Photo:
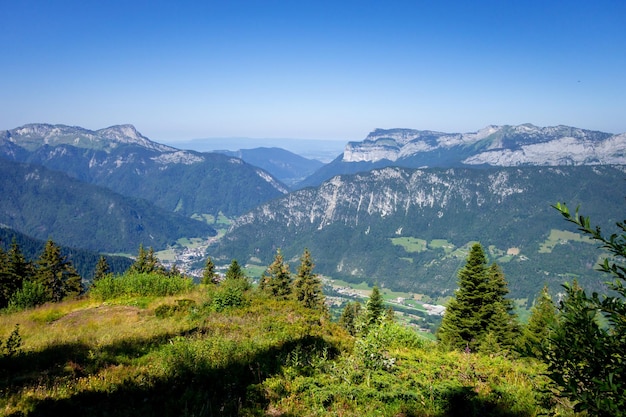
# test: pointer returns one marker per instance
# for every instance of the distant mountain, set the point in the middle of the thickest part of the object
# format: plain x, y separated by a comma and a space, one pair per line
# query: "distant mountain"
121, 159
323, 150
84, 261
286, 166
521, 145
46, 204
407, 228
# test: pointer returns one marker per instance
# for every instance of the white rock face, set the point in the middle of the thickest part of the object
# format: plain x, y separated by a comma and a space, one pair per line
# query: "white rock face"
495, 145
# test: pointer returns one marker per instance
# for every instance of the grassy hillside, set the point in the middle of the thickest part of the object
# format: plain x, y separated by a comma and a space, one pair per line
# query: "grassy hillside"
182, 355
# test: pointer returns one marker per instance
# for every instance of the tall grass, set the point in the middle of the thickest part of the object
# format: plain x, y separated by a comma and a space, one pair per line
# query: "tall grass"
139, 285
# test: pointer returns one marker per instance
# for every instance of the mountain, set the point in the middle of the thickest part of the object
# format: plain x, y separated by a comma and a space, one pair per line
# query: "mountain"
492, 146
84, 261
286, 166
408, 229
323, 150
46, 204
122, 159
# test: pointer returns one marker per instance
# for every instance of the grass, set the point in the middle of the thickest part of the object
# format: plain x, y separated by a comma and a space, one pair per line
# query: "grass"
557, 237
175, 355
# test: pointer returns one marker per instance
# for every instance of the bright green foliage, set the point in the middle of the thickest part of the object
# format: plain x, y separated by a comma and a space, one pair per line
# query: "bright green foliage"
307, 286
146, 262
56, 274
276, 280
536, 334
587, 360
234, 271
232, 293
349, 317
374, 307
32, 294
208, 275
479, 308
102, 269
133, 284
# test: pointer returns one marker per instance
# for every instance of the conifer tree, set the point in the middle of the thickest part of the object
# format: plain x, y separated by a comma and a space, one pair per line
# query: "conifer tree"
461, 325
536, 333
146, 262
277, 279
208, 275
6, 280
349, 317
479, 316
307, 285
17, 268
374, 308
234, 271
56, 274
102, 269
497, 315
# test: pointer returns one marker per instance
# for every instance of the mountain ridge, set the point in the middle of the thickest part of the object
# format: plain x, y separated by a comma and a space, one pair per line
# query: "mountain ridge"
120, 158
506, 145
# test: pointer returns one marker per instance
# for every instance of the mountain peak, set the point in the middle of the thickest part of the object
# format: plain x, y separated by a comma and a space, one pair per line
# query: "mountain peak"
35, 135
507, 145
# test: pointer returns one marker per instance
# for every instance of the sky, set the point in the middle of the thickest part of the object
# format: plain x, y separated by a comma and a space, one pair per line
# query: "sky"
181, 70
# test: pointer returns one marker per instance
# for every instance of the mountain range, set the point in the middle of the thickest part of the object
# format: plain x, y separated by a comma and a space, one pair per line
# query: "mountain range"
399, 208
492, 146
123, 160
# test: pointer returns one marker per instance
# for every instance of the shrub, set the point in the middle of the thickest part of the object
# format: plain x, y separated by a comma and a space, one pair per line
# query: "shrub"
32, 294
136, 284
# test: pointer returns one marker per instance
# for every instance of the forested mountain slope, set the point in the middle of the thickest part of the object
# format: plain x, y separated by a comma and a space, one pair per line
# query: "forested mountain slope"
49, 204
121, 159
407, 228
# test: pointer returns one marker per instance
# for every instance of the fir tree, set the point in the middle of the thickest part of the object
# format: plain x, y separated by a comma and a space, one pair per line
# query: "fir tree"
307, 285
277, 279
102, 269
208, 275
461, 325
349, 317
234, 271
536, 333
497, 315
6, 282
56, 274
479, 314
146, 262
374, 308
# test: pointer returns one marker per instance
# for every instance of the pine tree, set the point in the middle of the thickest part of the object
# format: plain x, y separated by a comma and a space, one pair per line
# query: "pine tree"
350, 316
536, 333
102, 269
374, 308
461, 325
208, 275
7, 287
307, 285
479, 316
497, 315
56, 274
146, 262
277, 279
234, 271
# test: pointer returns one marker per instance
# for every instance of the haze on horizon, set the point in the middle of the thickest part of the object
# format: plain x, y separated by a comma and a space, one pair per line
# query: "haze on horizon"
312, 70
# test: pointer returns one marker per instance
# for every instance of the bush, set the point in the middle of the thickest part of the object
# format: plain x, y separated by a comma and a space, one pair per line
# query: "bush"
134, 284
230, 294
31, 295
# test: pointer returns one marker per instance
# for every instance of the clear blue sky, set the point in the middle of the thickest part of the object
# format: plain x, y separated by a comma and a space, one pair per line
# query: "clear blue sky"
312, 69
